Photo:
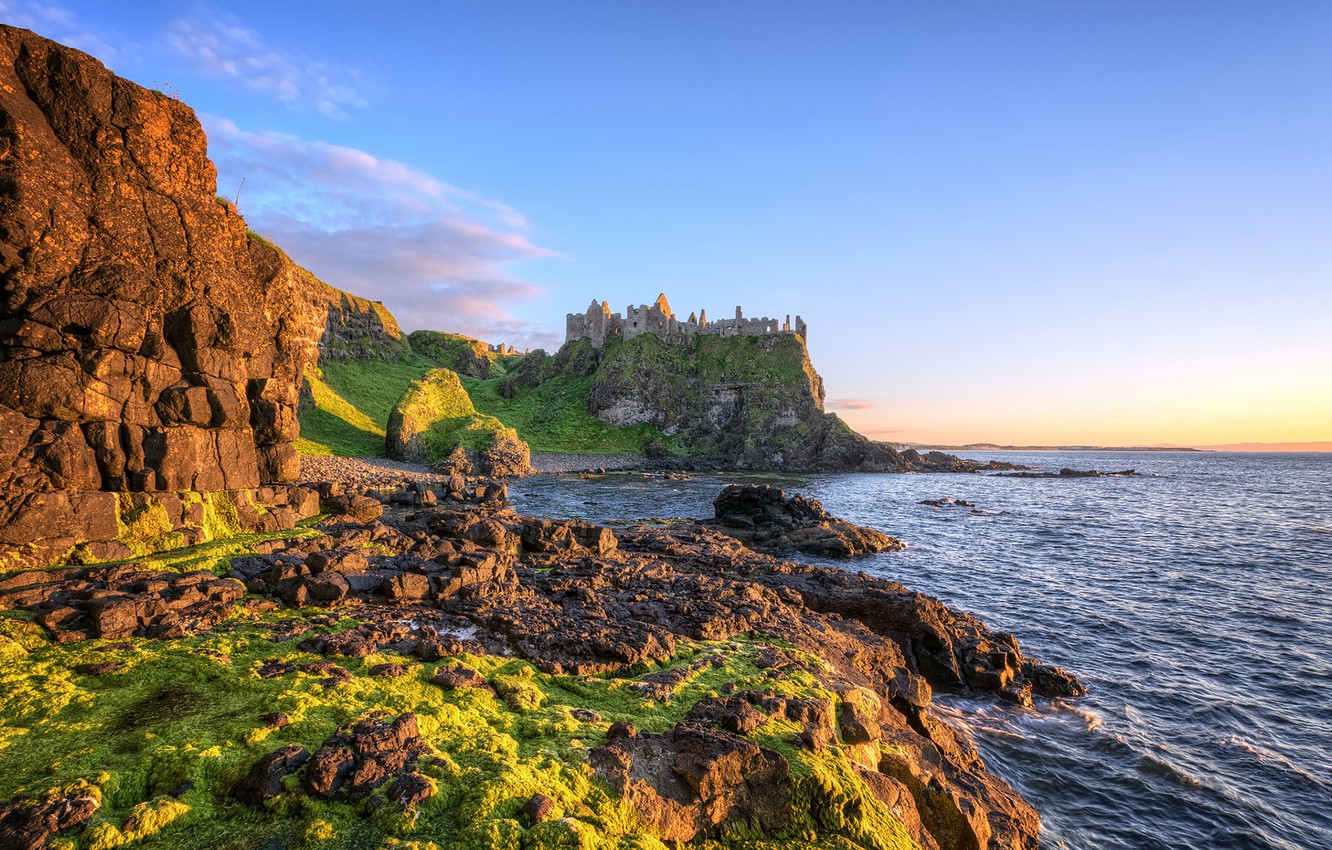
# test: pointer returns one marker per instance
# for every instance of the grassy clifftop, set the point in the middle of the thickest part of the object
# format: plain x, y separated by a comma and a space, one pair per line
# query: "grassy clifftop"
348, 402
751, 402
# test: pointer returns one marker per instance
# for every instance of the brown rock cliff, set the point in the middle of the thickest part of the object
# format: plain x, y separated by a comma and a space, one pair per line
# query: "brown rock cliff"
147, 342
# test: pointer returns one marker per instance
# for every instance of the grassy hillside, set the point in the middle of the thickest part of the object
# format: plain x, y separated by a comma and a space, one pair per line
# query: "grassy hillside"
352, 400
553, 417
436, 416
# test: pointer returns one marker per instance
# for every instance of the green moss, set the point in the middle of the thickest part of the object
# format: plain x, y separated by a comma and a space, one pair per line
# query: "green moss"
351, 404
553, 417
435, 416
140, 516
188, 711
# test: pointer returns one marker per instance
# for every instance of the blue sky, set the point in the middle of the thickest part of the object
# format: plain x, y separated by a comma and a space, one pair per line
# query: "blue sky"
1021, 222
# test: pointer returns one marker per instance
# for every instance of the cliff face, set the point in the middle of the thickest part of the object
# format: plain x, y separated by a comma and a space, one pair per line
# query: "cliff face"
355, 328
752, 402
147, 343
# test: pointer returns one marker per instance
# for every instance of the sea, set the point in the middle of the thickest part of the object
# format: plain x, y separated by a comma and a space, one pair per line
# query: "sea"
1191, 598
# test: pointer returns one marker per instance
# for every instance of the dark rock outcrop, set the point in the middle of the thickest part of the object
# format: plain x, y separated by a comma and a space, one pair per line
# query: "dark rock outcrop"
361, 757
264, 781
764, 518
120, 602
29, 825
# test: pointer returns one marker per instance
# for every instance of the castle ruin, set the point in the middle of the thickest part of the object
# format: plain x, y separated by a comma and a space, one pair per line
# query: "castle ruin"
599, 323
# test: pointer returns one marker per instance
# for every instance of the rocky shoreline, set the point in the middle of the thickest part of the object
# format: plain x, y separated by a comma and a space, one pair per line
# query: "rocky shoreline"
808, 669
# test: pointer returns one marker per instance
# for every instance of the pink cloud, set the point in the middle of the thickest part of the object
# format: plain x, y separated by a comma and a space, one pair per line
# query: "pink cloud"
436, 255
850, 403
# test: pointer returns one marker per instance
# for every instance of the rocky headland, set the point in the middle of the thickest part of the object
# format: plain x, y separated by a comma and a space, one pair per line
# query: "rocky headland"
205, 642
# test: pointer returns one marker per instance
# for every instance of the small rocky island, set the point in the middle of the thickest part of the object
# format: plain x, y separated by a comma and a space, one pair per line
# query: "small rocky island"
204, 642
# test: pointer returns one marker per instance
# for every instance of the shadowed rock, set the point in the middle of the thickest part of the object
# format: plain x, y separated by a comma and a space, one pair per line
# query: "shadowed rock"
764, 518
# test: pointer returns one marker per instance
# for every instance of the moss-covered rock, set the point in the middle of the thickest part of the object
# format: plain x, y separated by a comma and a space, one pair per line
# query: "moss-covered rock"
747, 401
462, 354
436, 416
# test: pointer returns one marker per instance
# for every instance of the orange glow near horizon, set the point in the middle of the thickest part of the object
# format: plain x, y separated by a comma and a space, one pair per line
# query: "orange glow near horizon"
1274, 413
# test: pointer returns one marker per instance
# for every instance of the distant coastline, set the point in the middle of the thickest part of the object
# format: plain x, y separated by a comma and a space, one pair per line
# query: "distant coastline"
1325, 446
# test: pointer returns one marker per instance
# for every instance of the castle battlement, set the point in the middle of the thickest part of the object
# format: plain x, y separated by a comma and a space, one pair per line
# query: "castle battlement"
599, 323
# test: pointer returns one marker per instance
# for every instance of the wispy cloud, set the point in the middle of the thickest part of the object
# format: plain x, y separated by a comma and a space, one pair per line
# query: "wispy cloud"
436, 255
59, 24
216, 44
849, 403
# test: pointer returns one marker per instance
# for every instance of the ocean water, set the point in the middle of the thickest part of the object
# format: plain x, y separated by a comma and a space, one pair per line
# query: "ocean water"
1192, 600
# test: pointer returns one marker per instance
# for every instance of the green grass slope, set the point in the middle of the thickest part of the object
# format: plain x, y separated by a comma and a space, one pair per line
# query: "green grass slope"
349, 402
553, 417
435, 416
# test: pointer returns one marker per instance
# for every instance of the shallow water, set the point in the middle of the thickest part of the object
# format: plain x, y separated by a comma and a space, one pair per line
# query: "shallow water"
1191, 600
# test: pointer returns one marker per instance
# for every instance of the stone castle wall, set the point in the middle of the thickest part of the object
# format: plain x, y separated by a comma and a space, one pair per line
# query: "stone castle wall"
599, 323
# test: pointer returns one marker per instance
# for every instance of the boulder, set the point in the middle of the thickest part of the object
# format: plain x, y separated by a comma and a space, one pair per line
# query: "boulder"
765, 518
435, 418
28, 825
360, 757
264, 781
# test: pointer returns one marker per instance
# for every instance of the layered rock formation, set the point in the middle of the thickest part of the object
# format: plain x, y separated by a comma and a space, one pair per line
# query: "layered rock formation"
148, 343
356, 328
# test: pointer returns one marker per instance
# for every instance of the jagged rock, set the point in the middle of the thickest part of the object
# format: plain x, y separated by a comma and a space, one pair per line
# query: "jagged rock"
359, 758
763, 517
149, 344
119, 602
264, 781
505, 457
358, 508
28, 825
733, 714
566, 537
410, 790
693, 782
455, 676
